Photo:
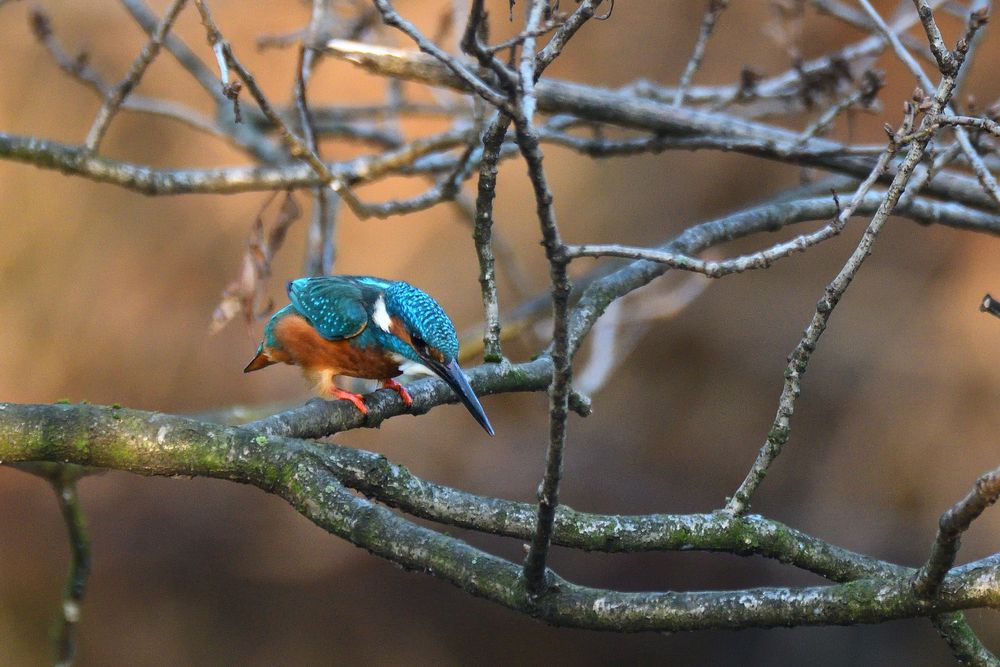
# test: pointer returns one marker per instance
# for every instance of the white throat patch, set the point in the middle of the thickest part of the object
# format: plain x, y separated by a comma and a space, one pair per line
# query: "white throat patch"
380, 315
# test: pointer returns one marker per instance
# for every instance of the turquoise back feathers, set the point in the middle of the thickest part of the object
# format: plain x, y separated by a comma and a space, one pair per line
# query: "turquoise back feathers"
361, 308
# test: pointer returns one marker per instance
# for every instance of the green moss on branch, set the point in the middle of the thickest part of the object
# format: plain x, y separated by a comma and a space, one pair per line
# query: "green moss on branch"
315, 480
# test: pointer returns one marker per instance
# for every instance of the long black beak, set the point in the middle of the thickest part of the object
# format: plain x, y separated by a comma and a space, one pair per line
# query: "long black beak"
453, 375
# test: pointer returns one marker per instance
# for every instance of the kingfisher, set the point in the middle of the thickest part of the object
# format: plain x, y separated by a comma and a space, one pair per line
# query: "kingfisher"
364, 327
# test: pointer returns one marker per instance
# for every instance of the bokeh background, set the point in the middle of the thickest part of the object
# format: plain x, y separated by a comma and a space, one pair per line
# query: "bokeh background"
106, 296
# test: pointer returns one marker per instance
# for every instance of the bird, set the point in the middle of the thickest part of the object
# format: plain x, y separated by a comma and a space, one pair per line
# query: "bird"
364, 327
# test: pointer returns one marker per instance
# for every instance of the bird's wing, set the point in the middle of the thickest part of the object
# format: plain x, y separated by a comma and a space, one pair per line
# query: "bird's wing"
333, 305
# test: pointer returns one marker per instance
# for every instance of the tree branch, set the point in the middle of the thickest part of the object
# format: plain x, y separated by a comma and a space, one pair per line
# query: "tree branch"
483, 234
798, 360
953, 523
121, 90
64, 479
75, 160
712, 14
158, 444
601, 105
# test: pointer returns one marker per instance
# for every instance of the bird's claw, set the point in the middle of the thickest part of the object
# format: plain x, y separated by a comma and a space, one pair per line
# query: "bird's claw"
336, 392
399, 389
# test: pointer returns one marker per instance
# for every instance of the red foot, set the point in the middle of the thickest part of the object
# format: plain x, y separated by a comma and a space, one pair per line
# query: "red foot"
399, 389
337, 392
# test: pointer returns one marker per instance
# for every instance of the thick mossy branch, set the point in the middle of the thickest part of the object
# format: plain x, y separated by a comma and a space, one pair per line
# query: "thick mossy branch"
315, 479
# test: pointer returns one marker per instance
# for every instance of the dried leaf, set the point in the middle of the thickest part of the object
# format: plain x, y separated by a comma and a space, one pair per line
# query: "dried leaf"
247, 294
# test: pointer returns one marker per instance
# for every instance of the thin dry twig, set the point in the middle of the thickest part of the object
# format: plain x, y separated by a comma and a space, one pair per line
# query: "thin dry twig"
562, 369
954, 522
800, 356
947, 63
978, 122
320, 241
120, 91
492, 141
708, 21
64, 485
684, 127
871, 83
445, 188
224, 52
79, 68
392, 18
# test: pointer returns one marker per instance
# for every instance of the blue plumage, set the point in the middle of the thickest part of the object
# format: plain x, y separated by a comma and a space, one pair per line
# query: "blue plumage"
337, 308
348, 306
366, 327
425, 318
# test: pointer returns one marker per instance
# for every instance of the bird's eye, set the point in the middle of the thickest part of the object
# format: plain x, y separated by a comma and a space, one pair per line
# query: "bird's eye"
419, 344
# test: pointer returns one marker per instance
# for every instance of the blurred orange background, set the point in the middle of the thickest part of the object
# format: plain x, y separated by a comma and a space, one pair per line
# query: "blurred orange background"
106, 295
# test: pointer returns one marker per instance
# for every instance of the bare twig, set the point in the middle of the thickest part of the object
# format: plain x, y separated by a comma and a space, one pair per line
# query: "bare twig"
990, 305
222, 180
121, 90
761, 259
555, 252
865, 94
923, 174
583, 13
471, 44
64, 486
685, 127
392, 18
800, 356
320, 241
63, 477
493, 139
965, 646
483, 234
980, 123
296, 146
954, 522
946, 60
187, 58
80, 69
948, 63
712, 14
545, 28
444, 189
244, 134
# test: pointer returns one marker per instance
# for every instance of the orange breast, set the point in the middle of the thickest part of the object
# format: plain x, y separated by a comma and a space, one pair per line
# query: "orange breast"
306, 348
